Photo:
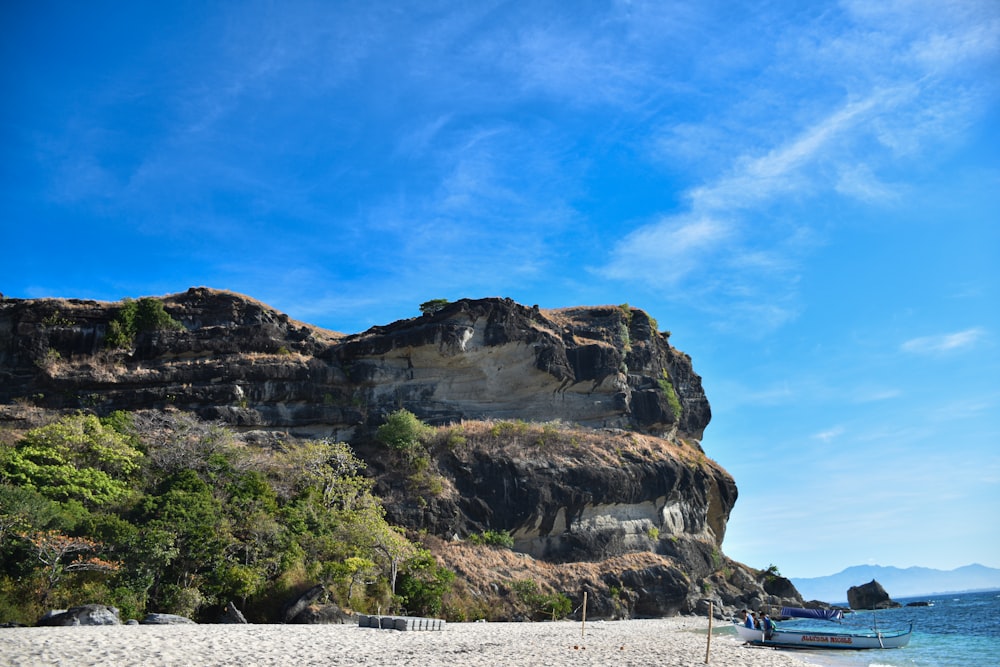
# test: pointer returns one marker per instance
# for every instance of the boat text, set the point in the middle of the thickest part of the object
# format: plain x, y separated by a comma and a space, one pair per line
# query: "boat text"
826, 639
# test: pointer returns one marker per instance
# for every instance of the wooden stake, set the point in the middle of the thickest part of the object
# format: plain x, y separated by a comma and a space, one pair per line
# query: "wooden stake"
583, 625
708, 647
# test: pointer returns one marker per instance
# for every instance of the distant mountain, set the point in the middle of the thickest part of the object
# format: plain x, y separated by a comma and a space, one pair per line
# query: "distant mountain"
899, 582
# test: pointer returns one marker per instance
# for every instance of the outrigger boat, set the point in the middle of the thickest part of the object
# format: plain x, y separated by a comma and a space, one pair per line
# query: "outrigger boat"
785, 638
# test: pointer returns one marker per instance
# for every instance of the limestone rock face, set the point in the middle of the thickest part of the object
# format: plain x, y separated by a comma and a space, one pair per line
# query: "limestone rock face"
869, 596
241, 362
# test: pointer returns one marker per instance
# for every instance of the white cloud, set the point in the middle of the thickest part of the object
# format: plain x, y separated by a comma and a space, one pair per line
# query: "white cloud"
669, 249
951, 342
829, 434
859, 182
756, 180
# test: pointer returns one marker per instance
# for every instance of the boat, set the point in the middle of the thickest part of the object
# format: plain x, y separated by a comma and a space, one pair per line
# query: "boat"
783, 637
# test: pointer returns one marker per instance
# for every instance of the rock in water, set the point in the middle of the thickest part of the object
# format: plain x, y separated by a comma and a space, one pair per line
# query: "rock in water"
869, 596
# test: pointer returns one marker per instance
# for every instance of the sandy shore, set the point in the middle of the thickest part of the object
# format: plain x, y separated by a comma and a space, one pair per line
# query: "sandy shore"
660, 643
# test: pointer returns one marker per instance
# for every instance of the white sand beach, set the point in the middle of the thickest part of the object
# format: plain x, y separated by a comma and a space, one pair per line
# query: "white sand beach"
642, 643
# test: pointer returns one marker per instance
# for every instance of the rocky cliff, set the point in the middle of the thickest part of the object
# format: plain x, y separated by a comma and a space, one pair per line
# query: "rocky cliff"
577, 430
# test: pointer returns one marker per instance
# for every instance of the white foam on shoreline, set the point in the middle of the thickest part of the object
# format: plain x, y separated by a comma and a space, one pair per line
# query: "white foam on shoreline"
673, 642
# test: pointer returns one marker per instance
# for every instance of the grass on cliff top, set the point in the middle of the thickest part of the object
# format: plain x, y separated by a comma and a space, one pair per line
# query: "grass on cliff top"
560, 441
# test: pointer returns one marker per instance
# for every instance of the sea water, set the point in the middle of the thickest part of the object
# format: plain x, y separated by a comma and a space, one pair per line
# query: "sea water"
956, 630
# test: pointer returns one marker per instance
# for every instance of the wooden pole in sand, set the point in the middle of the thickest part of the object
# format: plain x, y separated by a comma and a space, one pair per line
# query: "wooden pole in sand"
708, 647
583, 625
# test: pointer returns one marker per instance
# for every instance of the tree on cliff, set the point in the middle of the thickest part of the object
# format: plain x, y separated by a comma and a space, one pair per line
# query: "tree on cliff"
146, 314
433, 306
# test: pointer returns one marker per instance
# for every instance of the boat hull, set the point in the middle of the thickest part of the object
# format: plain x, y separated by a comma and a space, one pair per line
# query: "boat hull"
826, 640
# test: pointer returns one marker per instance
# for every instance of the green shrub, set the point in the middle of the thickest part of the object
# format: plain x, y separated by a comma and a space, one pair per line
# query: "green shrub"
134, 317
455, 439
403, 431
667, 387
423, 584
552, 605
433, 306
496, 538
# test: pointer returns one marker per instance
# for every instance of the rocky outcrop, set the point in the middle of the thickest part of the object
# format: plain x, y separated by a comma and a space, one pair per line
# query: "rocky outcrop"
232, 615
870, 596
241, 362
566, 494
88, 614
311, 608
165, 619
589, 422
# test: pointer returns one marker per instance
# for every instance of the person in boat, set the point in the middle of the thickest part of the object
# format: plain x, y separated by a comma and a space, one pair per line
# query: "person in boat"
768, 627
748, 619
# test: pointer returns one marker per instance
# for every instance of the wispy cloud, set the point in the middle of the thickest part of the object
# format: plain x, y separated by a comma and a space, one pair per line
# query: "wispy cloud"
943, 343
756, 180
829, 434
889, 86
669, 249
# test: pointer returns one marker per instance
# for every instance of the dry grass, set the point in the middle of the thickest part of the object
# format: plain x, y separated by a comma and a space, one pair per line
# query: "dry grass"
564, 443
487, 577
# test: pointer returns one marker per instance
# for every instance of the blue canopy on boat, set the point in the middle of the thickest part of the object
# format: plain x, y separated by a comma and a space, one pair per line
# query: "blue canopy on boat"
824, 614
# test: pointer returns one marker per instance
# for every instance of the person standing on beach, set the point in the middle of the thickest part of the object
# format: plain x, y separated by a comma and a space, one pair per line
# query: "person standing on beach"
768, 627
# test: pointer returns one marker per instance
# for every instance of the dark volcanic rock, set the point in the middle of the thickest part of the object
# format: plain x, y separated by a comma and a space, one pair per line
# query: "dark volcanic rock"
659, 591
869, 596
232, 615
298, 605
165, 619
88, 614
780, 587
323, 614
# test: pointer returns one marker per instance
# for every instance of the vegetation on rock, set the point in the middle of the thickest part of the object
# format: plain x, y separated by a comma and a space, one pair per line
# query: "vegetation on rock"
433, 306
146, 314
163, 513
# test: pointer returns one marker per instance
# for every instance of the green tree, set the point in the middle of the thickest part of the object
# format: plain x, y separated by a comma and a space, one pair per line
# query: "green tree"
403, 431
193, 522
354, 571
61, 555
553, 605
423, 584
433, 306
76, 457
335, 515
23, 510
134, 317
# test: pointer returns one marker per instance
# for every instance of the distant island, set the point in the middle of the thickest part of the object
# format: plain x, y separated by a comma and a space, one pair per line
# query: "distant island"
899, 582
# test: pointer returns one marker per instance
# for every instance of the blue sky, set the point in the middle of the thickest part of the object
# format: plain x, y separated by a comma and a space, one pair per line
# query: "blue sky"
804, 193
